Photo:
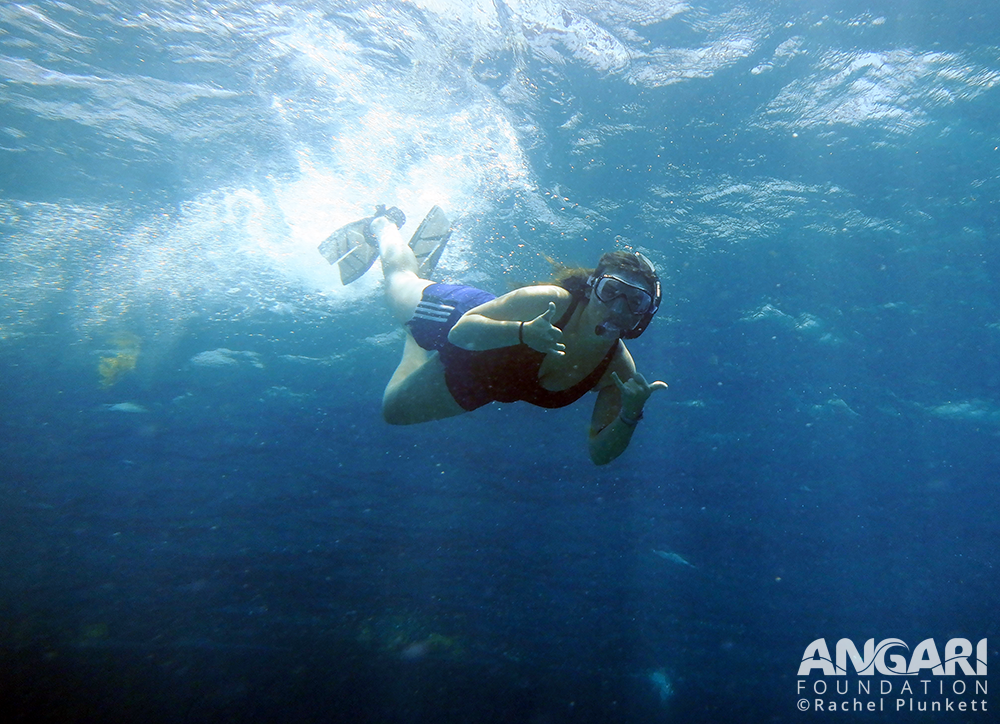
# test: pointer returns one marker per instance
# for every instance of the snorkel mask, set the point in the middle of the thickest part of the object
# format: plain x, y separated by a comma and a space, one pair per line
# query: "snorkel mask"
640, 303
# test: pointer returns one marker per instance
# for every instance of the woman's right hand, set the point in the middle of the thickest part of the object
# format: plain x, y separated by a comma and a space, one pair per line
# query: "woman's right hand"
541, 335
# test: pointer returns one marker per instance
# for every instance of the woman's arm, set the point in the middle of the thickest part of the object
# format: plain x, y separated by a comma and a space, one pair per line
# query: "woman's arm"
522, 316
618, 408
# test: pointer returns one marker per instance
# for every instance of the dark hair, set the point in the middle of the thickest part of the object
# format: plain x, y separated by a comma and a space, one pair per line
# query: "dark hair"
572, 279
628, 262
576, 279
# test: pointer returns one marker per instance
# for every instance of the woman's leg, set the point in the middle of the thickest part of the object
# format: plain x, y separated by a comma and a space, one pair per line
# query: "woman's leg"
417, 391
403, 287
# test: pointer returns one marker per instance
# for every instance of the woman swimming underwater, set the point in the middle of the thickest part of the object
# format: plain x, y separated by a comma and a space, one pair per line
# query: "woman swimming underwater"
547, 344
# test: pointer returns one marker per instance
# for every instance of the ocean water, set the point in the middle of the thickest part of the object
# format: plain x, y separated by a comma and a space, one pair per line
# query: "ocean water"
203, 516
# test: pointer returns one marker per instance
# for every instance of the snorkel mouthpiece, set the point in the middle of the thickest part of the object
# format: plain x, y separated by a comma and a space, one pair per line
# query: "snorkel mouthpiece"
607, 329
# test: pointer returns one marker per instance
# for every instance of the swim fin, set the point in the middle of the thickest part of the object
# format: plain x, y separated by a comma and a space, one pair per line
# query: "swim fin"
348, 249
352, 247
429, 240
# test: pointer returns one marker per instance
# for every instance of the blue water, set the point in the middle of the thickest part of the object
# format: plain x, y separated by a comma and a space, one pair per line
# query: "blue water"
203, 516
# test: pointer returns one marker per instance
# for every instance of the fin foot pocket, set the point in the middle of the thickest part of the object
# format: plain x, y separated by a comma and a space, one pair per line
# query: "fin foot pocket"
393, 214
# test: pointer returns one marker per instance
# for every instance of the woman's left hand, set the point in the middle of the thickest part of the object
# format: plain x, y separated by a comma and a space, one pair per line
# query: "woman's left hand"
635, 392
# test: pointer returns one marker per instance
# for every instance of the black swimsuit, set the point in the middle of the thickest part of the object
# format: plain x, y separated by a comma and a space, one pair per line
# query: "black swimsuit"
505, 374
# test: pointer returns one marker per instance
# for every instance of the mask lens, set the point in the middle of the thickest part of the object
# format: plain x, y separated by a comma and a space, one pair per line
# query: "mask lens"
610, 288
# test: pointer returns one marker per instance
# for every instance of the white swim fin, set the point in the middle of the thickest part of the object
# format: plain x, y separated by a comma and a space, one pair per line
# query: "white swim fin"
429, 240
352, 247
347, 248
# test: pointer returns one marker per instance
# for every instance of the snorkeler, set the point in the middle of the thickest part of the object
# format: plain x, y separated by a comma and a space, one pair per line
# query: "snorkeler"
547, 344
